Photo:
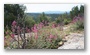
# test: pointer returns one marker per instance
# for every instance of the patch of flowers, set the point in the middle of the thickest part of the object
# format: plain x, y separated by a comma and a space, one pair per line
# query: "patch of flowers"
78, 22
38, 36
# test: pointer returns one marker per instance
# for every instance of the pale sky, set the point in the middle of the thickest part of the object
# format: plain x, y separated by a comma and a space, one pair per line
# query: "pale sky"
49, 7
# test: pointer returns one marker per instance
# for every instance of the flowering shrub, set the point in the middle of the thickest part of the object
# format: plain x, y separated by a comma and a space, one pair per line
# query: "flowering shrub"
43, 38
78, 22
9, 39
39, 36
15, 39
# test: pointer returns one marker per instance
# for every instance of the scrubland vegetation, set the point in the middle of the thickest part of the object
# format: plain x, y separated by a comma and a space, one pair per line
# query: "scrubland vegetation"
22, 31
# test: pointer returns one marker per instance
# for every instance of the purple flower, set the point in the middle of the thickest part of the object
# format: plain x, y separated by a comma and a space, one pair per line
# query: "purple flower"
51, 36
14, 23
12, 35
36, 36
18, 28
35, 29
13, 30
53, 25
5, 38
6, 32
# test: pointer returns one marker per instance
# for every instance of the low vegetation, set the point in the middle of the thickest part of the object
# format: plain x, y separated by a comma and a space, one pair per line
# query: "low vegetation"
24, 32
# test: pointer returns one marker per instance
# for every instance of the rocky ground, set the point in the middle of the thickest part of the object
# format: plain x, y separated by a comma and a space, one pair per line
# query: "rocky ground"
74, 41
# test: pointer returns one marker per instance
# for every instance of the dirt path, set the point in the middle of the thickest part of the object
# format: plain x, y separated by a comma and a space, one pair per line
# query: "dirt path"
74, 41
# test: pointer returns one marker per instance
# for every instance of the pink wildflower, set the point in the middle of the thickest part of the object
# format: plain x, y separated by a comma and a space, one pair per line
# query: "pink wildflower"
58, 25
4, 38
14, 23
74, 20
36, 36
81, 19
40, 25
32, 28
51, 36
28, 30
6, 32
53, 25
18, 28
12, 35
13, 30
55, 37
35, 29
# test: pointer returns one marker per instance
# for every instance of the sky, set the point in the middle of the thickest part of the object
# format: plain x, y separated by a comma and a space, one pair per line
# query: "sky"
49, 7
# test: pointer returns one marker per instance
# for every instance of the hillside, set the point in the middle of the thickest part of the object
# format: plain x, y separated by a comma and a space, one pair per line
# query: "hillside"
36, 15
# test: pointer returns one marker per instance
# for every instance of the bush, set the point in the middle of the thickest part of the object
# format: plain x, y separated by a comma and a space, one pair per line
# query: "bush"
78, 23
47, 39
29, 22
67, 21
41, 37
42, 43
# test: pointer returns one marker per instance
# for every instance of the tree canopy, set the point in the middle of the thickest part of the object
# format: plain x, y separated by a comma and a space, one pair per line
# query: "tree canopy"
12, 12
75, 11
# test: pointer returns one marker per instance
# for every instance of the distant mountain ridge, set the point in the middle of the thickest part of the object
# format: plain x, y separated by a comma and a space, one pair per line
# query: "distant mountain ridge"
52, 12
36, 15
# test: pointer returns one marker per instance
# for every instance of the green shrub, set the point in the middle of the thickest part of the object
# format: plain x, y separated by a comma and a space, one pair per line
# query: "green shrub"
67, 21
78, 23
29, 22
44, 41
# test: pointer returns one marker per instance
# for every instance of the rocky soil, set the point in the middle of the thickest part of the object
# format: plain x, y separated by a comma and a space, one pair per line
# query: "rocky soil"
74, 41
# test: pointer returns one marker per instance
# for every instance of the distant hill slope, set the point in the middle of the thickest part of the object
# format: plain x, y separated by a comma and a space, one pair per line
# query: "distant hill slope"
36, 15
52, 14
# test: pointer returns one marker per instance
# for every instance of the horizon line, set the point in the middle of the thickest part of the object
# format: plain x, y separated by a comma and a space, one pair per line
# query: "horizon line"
47, 11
